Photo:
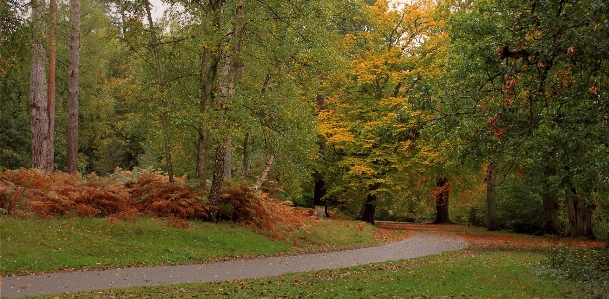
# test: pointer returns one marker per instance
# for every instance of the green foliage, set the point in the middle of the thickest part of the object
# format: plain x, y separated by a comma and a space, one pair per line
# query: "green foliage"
601, 227
519, 206
411, 93
371, 123
15, 60
523, 92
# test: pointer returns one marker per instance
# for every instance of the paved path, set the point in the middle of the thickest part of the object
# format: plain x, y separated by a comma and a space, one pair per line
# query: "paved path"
421, 244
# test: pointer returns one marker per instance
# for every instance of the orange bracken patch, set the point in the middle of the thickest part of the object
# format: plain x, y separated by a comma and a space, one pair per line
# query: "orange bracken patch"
125, 195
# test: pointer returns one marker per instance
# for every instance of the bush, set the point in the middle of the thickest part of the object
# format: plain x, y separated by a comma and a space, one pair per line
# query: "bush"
128, 194
585, 267
601, 227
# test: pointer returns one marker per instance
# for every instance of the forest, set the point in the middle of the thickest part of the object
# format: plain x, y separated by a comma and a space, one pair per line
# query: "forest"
482, 112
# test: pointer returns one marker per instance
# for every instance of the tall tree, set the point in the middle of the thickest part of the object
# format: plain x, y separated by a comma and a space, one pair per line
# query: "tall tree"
42, 144
230, 74
373, 123
51, 88
154, 43
209, 71
524, 67
72, 162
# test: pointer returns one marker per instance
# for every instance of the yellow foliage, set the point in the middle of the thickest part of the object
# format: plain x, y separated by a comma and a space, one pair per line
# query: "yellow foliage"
361, 170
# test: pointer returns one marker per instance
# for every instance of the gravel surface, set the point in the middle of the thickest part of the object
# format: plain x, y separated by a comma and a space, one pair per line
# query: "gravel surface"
421, 244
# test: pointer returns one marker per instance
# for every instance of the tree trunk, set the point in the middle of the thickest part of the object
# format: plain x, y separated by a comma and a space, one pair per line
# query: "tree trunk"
232, 70
219, 170
246, 156
491, 198
580, 216
42, 146
369, 207
202, 152
228, 157
218, 177
208, 76
51, 79
235, 72
319, 191
442, 193
264, 173
72, 162
161, 92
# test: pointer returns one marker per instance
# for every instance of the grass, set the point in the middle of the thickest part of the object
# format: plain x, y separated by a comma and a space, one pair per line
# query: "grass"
497, 265
29, 245
460, 274
33, 246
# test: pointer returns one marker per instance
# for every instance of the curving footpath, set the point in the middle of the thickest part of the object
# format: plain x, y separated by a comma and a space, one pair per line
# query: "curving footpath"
421, 244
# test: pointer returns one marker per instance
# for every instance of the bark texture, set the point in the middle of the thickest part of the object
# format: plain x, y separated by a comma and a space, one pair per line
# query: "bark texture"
580, 215
491, 198
231, 71
42, 146
218, 176
264, 173
51, 80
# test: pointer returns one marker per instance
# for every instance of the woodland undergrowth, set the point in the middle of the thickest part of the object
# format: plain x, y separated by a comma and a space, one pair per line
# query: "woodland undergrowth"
125, 195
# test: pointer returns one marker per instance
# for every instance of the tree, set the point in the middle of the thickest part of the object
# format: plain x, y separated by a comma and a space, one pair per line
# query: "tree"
40, 112
442, 196
161, 90
73, 88
15, 54
373, 123
51, 86
230, 76
517, 63
491, 197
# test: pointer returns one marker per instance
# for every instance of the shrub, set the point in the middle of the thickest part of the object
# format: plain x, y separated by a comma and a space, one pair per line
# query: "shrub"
585, 267
127, 194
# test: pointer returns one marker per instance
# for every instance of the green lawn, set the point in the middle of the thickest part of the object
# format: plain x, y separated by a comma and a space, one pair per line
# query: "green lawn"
461, 274
29, 245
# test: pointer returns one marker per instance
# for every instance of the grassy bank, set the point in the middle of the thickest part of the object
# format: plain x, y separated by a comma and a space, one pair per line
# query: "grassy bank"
461, 274
497, 265
32, 246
